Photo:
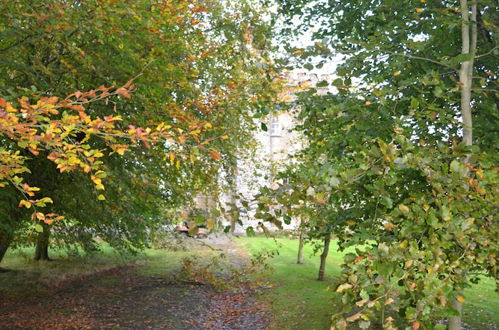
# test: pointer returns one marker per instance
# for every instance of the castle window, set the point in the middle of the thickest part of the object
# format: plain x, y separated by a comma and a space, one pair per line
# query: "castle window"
275, 127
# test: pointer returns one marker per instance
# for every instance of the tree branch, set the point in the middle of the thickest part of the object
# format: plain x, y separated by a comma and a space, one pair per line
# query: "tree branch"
424, 59
488, 53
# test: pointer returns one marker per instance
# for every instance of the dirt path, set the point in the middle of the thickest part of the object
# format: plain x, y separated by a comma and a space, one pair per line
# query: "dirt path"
123, 299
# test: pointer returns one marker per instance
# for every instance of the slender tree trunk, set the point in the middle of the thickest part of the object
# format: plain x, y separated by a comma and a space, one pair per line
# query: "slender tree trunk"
232, 225
322, 268
233, 184
42, 244
455, 321
300, 249
469, 43
469, 40
5, 240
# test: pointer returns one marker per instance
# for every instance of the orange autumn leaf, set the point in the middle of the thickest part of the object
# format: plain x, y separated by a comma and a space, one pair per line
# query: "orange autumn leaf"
215, 155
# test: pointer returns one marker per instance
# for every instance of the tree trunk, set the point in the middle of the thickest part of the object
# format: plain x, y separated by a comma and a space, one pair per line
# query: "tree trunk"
322, 268
42, 244
455, 321
469, 42
232, 225
5, 240
300, 249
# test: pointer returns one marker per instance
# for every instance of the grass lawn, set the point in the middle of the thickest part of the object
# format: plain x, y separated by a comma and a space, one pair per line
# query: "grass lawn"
299, 301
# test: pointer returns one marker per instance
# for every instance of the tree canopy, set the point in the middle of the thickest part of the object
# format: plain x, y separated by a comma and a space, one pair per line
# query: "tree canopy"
199, 70
402, 155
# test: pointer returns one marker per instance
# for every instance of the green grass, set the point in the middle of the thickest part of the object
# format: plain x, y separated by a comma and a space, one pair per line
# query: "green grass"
481, 308
299, 301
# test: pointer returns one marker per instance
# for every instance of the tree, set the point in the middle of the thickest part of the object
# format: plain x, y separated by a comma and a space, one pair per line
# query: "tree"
184, 55
394, 145
302, 196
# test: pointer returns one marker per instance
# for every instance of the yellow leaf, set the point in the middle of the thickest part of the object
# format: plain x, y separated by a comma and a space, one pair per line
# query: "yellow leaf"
101, 197
121, 151
46, 200
354, 317
403, 245
225, 137
480, 190
396, 74
404, 208
368, 103
9, 108
24, 203
460, 299
419, 10
99, 186
100, 174
96, 180
343, 287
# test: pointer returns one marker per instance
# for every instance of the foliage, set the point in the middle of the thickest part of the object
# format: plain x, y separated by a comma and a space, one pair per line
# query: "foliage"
200, 67
384, 156
226, 275
53, 125
298, 300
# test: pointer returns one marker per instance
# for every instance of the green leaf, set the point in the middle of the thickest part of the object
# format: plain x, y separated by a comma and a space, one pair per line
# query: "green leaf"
322, 83
460, 58
38, 228
387, 201
364, 324
334, 181
308, 66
